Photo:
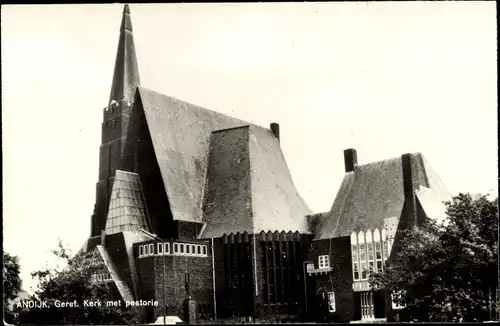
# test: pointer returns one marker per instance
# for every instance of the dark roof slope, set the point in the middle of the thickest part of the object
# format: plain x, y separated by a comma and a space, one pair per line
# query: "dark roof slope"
201, 153
180, 133
374, 192
249, 187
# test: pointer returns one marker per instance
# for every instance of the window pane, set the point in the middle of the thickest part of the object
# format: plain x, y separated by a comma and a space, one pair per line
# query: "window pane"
363, 271
181, 248
167, 248
204, 250
198, 248
379, 265
370, 251
176, 248
160, 248
188, 249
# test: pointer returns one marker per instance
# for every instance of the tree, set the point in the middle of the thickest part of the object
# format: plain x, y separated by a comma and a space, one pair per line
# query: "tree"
447, 272
76, 283
11, 283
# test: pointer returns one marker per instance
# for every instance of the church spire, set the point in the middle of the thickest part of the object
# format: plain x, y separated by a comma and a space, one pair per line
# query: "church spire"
126, 74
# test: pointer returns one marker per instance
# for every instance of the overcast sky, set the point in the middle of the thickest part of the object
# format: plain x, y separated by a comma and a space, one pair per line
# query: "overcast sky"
384, 78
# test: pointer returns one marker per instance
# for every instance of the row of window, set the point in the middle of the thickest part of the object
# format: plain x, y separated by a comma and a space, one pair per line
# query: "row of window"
368, 258
101, 277
182, 249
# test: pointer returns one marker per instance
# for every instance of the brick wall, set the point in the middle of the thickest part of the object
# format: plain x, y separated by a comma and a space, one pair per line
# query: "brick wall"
150, 274
339, 280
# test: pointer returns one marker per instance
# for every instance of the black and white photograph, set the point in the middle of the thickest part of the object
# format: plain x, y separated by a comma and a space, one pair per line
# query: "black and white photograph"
250, 163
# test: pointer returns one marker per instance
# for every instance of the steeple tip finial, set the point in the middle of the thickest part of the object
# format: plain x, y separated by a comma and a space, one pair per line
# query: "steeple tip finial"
126, 9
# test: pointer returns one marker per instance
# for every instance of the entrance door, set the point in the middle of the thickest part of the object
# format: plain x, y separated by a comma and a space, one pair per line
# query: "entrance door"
379, 304
357, 306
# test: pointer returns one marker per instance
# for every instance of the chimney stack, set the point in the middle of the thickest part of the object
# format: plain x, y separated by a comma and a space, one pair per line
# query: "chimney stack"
275, 128
350, 159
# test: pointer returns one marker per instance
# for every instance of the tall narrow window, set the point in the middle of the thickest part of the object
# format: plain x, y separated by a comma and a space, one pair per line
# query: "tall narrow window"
181, 249
362, 260
386, 250
198, 250
146, 250
370, 258
188, 249
160, 248
167, 248
193, 249
331, 301
355, 262
204, 250
151, 248
176, 248
323, 261
378, 256
141, 251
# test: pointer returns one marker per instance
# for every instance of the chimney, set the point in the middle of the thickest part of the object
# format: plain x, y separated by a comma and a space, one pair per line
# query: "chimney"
275, 128
408, 186
350, 159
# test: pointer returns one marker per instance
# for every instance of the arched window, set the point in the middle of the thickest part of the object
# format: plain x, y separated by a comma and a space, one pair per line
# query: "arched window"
370, 251
362, 255
378, 250
355, 257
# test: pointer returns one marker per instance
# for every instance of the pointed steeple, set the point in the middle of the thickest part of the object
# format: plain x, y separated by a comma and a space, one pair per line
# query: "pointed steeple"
126, 74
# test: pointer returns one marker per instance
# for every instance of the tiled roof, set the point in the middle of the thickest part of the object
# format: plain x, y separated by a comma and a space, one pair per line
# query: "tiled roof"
373, 192
126, 207
184, 136
249, 187
180, 133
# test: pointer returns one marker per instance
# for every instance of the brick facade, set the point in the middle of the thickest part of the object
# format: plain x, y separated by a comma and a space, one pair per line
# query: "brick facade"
150, 271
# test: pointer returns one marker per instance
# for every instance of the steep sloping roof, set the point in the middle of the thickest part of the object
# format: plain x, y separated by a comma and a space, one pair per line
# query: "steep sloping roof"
126, 207
185, 137
227, 205
275, 201
180, 133
374, 192
126, 74
249, 187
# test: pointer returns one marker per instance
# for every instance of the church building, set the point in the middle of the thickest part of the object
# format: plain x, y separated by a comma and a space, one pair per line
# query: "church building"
194, 204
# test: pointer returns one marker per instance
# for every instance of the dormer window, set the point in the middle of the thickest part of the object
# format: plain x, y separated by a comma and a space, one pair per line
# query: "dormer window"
324, 261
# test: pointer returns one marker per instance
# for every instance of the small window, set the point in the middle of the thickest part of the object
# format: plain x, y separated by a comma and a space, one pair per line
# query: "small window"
176, 248
198, 249
188, 249
146, 250
395, 296
193, 249
379, 265
160, 248
141, 251
204, 250
324, 261
151, 248
181, 246
167, 248
331, 301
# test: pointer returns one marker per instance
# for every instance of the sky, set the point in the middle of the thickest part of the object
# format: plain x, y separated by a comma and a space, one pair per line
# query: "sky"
383, 78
